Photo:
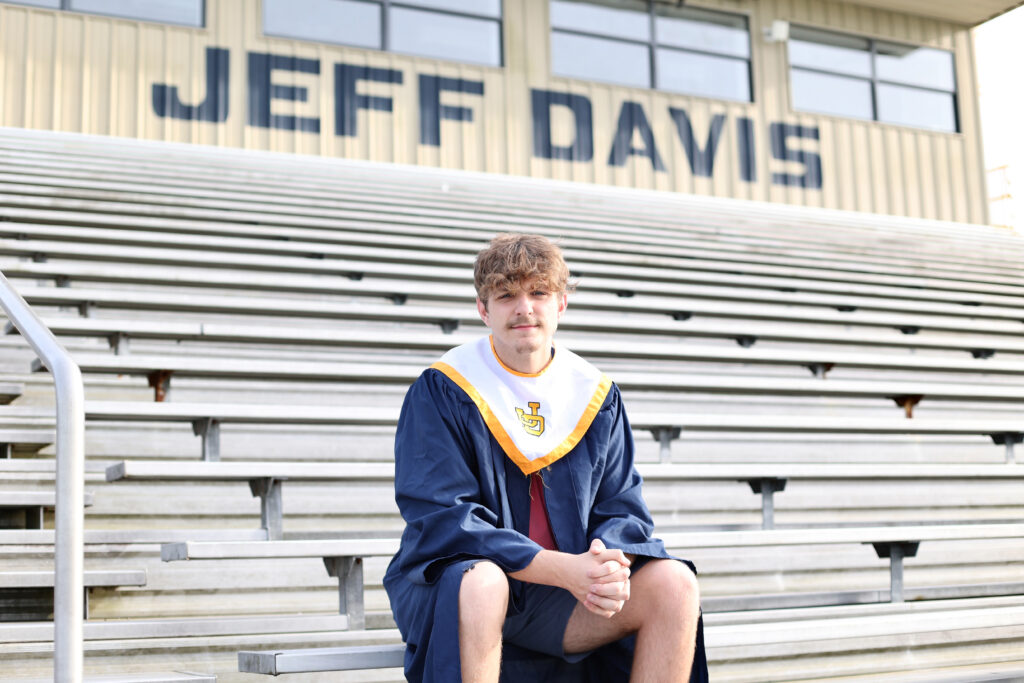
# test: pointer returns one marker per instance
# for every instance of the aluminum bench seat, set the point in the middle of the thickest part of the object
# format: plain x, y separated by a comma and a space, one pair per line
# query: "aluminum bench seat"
45, 537
92, 578
197, 627
836, 631
45, 499
120, 332
150, 677
206, 418
906, 393
592, 294
26, 509
266, 478
10, 391
24, 440
343, 557
981, 347
682, 309
29, 593
322, 659
689, 283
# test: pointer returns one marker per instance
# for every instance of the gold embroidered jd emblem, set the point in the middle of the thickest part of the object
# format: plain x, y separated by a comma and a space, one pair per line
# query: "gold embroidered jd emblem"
533, 422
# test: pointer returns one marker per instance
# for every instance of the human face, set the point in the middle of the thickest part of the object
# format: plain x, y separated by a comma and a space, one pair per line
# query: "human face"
523, 322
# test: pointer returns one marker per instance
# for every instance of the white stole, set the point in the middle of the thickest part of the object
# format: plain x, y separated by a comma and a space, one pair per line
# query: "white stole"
537, 418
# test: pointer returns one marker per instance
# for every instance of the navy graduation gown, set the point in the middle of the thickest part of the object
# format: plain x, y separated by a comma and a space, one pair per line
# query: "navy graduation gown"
464, 500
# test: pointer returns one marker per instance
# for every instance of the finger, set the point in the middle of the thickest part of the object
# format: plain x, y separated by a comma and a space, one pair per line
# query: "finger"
608, 571
614, 555
613, 591
597, 546
605, 574
609, 605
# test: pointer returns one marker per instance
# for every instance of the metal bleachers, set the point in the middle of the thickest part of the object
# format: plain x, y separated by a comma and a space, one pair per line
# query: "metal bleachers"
247, 324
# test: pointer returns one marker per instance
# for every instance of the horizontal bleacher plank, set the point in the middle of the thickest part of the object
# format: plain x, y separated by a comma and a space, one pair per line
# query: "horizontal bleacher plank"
251, 413
10, 391
27, 440
690, 283
587, 347
754, 635
592, 293
660, 313
150, 677
364, 547
436, 341
998, 339
601, 265
92, 578
172, 470
46, 499
736, 642
826, 471
179, 628
45, 537
653, 306
630, 381
355, 547
214, 471
796, 424
322, 659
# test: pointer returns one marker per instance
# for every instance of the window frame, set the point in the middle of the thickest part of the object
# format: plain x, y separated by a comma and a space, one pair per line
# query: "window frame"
65, 6
385, 7
653, 45
874, 80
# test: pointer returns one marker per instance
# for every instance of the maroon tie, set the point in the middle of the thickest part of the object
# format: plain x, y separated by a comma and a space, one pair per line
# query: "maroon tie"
540, 523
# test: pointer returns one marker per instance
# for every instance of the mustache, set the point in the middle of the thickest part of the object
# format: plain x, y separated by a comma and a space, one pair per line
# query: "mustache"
524, 321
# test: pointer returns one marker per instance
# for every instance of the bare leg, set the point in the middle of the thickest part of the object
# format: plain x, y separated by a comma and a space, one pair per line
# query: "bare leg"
662, 610
483, 601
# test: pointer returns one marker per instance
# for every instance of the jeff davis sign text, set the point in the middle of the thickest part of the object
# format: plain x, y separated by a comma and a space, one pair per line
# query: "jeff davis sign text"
633, 135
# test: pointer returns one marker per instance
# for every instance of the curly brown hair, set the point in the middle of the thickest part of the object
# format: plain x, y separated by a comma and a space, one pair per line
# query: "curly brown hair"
512, 258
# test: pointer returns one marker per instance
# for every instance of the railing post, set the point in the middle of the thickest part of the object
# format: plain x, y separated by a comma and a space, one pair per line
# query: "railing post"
68, 603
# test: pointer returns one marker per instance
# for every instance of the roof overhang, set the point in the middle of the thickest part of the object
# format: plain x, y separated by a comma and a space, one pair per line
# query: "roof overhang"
965, 12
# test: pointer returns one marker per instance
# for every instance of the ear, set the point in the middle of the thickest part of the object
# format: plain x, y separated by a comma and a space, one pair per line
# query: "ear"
563, 303
481, 308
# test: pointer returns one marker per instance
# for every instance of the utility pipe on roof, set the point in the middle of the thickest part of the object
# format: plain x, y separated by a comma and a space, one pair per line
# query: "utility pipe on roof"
68, 602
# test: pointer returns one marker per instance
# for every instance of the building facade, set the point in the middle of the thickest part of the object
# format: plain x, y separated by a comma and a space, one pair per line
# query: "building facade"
844, 105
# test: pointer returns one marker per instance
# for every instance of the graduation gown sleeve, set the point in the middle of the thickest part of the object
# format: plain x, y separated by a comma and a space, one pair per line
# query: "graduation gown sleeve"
445, 479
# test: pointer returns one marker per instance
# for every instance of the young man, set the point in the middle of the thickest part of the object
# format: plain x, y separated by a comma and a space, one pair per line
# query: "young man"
527, 552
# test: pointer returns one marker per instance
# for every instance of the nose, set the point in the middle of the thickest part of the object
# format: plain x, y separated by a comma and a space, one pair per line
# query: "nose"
523, 303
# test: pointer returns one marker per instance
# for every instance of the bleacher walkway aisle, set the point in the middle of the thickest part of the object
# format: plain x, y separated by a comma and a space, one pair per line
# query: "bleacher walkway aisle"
828, 408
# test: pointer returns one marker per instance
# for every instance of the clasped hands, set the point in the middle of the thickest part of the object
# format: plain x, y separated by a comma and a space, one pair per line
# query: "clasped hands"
604, 586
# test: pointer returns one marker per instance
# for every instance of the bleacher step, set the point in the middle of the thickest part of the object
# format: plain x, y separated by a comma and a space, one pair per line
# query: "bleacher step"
155, 677
322, 659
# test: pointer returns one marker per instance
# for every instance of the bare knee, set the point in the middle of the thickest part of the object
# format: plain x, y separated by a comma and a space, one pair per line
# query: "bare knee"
674, 585
484, 589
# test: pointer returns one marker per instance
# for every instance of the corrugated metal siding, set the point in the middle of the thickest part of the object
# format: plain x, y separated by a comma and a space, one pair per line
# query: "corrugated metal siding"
92, 74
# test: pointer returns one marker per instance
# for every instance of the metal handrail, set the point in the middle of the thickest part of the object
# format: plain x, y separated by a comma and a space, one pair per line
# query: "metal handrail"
68, 593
